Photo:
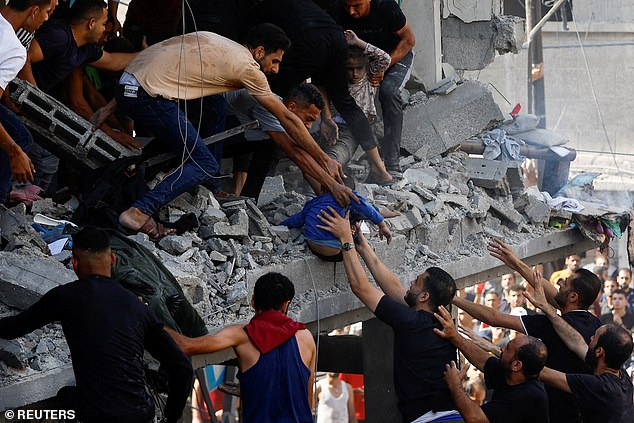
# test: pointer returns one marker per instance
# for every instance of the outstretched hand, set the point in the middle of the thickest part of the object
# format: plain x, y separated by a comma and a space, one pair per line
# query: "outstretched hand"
335, 224
502, 252
538, 297
449, 331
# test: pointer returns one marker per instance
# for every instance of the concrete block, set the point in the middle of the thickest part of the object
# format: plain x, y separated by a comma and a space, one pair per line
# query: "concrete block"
259, 225
537, 211
238, 226
486, 173
472, 46
424, 177
24, 279
414, 217
273, 187
480, 206
508, 213
423, 192
62, 131
459, 200
469, 226
514, 178
432, 127
281, 231
175, 244
434, 207
212, 215
12, 353
440, 236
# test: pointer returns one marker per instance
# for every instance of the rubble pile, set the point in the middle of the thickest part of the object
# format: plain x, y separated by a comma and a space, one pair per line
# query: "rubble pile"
449, 208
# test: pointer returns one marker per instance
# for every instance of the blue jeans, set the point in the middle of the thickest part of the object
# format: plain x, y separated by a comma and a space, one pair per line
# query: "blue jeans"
392, 106
22, 137
167, 122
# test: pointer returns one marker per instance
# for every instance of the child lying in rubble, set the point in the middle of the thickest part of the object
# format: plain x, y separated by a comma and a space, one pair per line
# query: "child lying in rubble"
322, 243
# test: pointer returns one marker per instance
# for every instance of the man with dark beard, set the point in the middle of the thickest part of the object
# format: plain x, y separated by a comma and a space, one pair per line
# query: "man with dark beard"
420, 356
576, 293
605, 396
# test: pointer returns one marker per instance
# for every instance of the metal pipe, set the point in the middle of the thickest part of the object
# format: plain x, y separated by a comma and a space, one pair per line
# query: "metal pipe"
476, 147
531, 31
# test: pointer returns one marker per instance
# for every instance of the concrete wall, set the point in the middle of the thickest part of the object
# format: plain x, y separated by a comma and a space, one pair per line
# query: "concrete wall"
607, 34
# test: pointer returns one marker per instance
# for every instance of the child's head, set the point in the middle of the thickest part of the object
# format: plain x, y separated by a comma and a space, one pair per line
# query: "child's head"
357, 63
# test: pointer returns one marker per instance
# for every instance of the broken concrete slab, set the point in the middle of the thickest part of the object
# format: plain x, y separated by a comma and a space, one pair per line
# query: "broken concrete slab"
486, 173
24, 279
459, 200
259, 225
472, 46
509, 213
471, 10
12, 353
434, 126
424, 177
238, 226
17, 233
176, 244
273, 187
62, 131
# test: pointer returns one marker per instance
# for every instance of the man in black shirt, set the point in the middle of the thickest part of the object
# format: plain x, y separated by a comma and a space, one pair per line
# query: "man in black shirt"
383, 24
518, 397
319, 51
575, 295
605, 396
419, 355
619, 313
106, 328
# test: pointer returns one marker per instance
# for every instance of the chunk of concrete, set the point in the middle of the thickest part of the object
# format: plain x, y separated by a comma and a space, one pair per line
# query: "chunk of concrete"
24, 279
425, 177
434, 126
259, 225
281, 231
472, 46
508, 213
273, 187
12, 353
175, 244
486, 173
237, 228
459, 200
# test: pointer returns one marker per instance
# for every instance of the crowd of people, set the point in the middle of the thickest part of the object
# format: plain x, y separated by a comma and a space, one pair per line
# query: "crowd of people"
181, 80
560, 356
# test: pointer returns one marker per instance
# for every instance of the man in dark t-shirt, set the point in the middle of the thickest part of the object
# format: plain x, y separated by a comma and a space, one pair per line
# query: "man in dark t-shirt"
419, 355
107, 329
383, 24
605, 396
575, 295
518, 397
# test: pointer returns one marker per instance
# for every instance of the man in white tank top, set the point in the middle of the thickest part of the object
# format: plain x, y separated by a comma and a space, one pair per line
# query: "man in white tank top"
336, 402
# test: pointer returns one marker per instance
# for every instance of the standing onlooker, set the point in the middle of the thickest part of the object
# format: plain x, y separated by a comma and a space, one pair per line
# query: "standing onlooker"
336, 401
619, 314
624, 279
15, 139
573, 262
383, 24
605, 303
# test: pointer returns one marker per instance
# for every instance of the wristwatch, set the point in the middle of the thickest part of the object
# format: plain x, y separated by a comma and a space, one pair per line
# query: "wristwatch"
347, 246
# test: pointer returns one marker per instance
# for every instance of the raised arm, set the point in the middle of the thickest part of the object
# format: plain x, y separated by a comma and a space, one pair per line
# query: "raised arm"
555, 378
359, 283
502, 252
489, 316
569, 335
299, 134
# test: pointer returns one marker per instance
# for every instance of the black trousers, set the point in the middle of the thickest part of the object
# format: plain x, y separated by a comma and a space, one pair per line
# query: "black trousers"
322, 54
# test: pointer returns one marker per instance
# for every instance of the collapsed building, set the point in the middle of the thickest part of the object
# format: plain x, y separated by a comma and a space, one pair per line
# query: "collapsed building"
450, 203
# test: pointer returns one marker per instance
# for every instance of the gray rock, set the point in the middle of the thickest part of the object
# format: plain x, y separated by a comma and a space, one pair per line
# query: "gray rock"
237, 228
175, 244
12, 353
273, 187
217, 257
427, 178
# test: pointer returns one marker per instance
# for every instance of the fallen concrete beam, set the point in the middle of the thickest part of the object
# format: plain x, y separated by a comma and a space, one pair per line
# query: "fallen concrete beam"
36, 388
472, 46
24, 279
434, 126
344, 308
62, 131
